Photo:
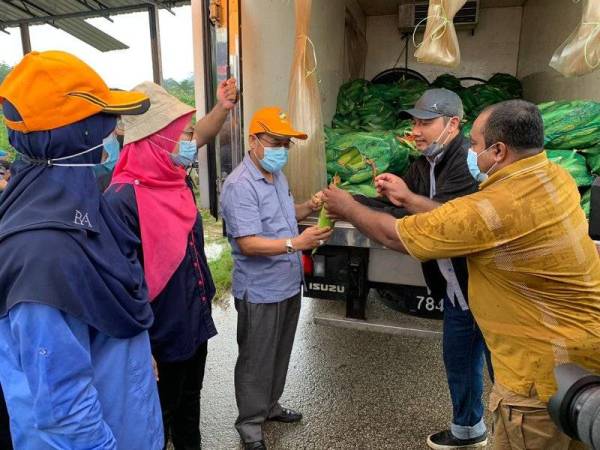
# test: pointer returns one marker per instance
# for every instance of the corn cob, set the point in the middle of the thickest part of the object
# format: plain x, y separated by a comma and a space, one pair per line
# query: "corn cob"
324, 220
348, 156
361, 177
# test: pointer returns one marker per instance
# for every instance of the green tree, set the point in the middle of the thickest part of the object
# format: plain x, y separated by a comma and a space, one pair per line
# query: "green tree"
4, 69
183, 90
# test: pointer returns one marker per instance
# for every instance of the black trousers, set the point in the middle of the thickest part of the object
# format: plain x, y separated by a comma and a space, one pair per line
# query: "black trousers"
265, 335
5, 440
179, 387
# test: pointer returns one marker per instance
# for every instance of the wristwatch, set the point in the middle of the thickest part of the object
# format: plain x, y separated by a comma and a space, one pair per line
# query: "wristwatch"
289, 247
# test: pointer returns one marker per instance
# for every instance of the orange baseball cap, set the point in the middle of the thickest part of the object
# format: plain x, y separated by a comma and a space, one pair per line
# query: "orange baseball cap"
52, 89
274, 121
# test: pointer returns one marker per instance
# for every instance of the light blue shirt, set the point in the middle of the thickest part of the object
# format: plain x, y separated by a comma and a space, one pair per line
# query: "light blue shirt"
67, 386
251, 205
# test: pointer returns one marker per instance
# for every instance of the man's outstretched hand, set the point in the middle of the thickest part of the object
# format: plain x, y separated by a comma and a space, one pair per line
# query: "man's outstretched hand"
338, 203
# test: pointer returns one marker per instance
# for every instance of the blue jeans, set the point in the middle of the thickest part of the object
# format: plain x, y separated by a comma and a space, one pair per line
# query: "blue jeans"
464, 354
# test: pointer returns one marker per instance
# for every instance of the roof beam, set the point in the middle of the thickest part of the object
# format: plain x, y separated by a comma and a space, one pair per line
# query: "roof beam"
23, 8
25, 39
159, 4
101, 6
155, 44
80, 14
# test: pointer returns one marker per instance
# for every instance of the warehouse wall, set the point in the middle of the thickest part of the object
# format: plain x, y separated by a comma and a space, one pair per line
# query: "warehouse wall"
546, 25
492, 48
268, 28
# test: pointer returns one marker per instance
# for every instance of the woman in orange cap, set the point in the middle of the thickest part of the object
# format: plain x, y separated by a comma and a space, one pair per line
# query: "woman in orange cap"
76, 366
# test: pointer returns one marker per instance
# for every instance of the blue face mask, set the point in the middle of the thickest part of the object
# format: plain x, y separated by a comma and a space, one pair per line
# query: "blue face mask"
112, 149
187, 153
275, 159
474, 167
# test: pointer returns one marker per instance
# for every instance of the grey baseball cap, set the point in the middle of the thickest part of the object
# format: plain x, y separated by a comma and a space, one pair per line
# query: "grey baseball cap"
437, 103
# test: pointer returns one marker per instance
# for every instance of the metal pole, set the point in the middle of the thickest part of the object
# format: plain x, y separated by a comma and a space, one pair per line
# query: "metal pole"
25, 39
155, 44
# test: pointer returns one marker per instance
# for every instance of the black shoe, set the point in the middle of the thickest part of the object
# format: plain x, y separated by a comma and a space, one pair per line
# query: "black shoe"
445, 440
287, 416
258, 445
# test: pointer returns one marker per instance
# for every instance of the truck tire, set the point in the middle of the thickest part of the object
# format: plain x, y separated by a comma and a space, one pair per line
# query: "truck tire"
397, 73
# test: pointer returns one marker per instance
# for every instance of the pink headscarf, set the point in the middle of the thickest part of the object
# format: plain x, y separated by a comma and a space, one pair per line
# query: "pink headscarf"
166, 207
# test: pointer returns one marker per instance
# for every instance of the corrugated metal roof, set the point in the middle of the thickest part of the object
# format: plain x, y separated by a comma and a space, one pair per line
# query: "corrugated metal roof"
70, 15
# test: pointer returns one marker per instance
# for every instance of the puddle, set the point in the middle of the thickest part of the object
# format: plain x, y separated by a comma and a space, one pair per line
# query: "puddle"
213, 251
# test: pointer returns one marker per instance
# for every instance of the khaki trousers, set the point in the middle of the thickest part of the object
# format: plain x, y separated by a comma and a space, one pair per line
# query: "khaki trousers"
523, 423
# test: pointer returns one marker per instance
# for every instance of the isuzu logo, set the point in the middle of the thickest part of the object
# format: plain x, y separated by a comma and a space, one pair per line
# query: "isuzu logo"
322, 287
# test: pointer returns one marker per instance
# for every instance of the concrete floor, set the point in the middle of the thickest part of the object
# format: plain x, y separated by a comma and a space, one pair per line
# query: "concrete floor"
357, 389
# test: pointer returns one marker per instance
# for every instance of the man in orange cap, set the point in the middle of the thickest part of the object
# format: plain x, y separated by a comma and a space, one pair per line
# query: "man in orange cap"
261, 221
76, 366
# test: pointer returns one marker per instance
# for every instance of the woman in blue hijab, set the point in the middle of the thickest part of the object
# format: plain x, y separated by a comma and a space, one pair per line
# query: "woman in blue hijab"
76, 365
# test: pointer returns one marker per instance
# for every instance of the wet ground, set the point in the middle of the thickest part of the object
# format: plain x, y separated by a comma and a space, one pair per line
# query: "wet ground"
357, 389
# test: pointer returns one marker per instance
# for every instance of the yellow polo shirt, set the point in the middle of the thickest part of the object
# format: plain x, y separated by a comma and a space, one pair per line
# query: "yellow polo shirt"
534, 273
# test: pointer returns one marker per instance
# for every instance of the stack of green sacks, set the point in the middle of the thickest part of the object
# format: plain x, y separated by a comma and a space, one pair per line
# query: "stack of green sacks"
573, 128
369, 136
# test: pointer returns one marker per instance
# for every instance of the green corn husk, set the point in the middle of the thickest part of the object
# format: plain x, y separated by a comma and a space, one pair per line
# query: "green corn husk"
324, 220
571, 124
574, 163
366, 189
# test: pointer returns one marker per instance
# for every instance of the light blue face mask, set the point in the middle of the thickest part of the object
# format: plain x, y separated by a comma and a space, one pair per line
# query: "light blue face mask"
474, 167
112, 148
187, 153
274, 159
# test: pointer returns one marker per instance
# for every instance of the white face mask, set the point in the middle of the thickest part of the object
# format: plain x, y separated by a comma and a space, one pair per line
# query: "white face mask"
52, 161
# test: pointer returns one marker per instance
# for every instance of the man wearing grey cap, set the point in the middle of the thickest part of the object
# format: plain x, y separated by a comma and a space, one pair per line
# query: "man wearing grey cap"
438, 176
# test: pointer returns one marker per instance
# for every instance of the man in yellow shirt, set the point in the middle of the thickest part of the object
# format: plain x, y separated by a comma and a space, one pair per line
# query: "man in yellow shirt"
534, 273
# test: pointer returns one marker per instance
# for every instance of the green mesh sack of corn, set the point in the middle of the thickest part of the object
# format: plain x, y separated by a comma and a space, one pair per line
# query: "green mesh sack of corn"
574, 163
479, 96
357, 157
498, 88
350, 95
586, 199
447, 81
508, 83
362, 105
571, 125
592, 157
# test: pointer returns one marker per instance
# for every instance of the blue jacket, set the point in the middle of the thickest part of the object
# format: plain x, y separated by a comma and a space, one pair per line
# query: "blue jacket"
68, 386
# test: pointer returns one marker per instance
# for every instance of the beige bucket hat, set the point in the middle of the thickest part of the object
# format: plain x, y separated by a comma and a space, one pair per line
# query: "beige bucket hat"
164, 109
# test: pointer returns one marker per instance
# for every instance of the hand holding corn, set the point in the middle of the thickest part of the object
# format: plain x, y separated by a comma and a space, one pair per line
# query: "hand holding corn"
393, 187
316, 202
311, 238
338, 202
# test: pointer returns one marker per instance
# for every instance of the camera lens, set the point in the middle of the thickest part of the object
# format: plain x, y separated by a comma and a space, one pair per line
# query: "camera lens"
575, 408
585, 415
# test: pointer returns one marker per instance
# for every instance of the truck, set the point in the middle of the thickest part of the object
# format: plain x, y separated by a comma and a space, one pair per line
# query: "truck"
254, 42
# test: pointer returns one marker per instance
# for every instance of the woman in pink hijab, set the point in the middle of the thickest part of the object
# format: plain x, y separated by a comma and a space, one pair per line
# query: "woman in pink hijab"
151, 192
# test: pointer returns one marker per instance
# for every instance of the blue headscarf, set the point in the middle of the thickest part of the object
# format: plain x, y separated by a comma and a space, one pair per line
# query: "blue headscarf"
60, 244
